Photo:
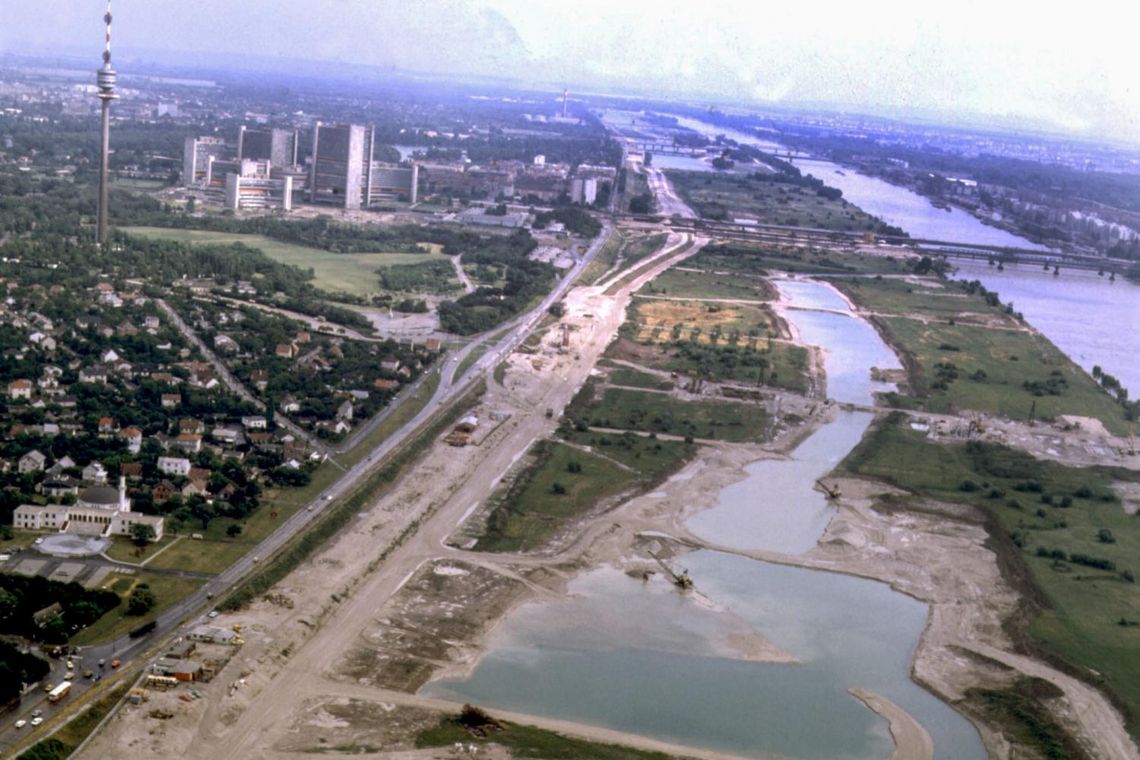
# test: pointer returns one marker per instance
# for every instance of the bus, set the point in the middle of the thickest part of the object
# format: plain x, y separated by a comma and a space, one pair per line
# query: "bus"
59, 692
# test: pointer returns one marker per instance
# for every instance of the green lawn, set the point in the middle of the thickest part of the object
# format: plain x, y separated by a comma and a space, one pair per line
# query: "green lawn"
690, 284
660, 413
634, 379
167, 589
353, 273
759, 259
1052, 513
943, 300
565, 482
1004, 372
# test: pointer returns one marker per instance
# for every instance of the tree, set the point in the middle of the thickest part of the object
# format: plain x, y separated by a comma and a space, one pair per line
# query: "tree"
141, 600
233, 531
142, 534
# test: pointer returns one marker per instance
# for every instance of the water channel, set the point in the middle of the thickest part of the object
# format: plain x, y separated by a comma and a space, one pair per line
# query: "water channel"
643, 658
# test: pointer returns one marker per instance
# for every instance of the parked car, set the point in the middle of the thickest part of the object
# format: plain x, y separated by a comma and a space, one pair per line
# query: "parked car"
21, 723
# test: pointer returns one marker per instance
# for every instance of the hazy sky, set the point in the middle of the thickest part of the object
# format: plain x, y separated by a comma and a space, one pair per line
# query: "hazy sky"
1070, 66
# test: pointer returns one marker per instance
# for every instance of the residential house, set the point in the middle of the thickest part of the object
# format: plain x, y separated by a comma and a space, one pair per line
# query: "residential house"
58, 487
108, 425
133, 436
344, 411
33, 461
162, 491
389, 363
60, 465
174, 465
191, 443
131, 470
225, 344
227, 435
191, 425
255, 422
20, 389
93, 374
285, 350
95, 473
259, 379
170, 400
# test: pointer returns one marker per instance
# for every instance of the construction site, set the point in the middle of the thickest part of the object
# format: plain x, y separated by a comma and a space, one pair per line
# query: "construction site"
341, 656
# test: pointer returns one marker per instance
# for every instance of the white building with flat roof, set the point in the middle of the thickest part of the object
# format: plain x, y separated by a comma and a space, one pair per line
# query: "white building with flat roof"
100, 511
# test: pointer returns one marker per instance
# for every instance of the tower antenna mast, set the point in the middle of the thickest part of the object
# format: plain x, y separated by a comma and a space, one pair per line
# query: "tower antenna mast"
105, 78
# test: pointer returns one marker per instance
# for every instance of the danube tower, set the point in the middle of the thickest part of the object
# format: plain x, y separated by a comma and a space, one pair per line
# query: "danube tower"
105, 78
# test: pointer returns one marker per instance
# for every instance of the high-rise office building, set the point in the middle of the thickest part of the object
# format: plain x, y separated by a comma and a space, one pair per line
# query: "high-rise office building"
197, 155
277, 146
341, 170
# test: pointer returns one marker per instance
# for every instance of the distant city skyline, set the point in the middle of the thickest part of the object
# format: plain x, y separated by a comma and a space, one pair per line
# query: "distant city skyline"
1014, 62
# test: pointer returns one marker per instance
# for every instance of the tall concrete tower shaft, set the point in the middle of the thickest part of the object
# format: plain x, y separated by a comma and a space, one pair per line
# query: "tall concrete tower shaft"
106, 78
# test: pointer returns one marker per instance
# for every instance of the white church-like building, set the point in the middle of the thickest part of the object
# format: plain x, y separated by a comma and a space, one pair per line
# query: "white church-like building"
100, 511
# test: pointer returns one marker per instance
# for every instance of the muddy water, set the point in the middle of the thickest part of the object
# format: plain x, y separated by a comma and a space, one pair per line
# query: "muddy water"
778, 507
647, 659
636, 657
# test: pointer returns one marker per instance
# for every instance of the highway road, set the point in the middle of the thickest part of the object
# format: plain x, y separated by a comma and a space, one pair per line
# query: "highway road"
181, 617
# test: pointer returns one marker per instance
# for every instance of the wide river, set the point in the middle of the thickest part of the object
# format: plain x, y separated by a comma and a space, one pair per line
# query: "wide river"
647, 659
1092, 320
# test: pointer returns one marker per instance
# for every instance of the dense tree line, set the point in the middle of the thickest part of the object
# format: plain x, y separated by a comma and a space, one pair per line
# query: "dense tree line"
18, 668
489, 306
576, 220
22, 596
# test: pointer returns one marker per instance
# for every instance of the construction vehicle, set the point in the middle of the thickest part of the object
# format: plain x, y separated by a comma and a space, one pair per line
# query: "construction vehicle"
831, 491
681, 580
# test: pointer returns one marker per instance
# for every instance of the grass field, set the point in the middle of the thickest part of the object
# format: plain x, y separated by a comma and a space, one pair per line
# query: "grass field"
758, 259
631, 378
1009, 373
685, 283
167, 590
732, 196
660, 413
963, 352
605, 258
547, 496
564, 482
353, 273
938, 299
1054, 515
